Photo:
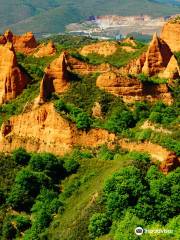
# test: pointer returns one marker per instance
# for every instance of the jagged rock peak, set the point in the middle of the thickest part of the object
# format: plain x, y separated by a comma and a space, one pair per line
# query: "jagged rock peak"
56, 78
8, 35
25, 43
170, 33
12, 80
105, 48
172, 70
157, 57
46, 50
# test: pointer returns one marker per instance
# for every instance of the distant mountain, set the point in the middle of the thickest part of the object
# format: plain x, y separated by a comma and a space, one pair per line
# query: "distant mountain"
52, 15
173, 2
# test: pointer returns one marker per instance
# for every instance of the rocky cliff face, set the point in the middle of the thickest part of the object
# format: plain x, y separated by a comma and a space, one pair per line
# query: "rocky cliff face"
12, 80
157, 61
170, 34
46, 50
83, 68
170, 163
130, 41
131, 89
172, 70
25, 43
157, 57
102, 48
56, 78
43, 129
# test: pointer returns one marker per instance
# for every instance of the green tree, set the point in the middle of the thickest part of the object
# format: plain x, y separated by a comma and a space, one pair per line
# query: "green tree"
49, 164
25, 189
99, 225
83, 121
126, 227
20, 156
123, 190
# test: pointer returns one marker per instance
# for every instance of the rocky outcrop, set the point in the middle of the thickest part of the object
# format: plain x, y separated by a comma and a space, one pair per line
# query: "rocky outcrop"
172, 70
12, 79
3, 40
134, 67
157, 57
171, 32
157, 61
25, 43
157, 152
56, 78
170, 163
97, 110
102, 48
45, 50
131, 89
44, 130
82, 68
129, 41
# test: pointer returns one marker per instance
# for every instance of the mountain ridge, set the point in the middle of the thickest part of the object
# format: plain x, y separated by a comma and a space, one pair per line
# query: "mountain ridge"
52, 16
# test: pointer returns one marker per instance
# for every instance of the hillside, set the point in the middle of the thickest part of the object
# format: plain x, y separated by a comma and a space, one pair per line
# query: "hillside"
52, 16
89, 137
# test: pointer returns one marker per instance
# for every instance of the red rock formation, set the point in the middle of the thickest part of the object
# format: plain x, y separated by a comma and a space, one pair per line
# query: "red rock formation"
157, 61
97, 110
172, 70
134, 67
83, 68
170, 34
56, 78
102, 48
157, 57
171, 163
12, 80
130, 41
3, 40
8, 35
131, 89
46, 50
25, 43
44, 130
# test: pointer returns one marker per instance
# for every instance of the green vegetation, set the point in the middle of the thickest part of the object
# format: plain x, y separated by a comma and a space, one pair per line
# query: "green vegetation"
152, 80
91, 193
52, 16
31, 189
131, 196
119, 59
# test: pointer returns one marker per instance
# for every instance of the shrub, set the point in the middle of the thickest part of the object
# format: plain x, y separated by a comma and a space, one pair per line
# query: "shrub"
123, 190
71, 162
20, 156
99, 225
83, 121
119, 120
49, 164
47, 204
126, 227
105, 153
71, 165
23, 222
8, 230
141, 111
25, 189
60, 105
141, 161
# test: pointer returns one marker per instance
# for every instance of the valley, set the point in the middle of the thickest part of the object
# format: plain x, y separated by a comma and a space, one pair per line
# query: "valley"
89, 133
